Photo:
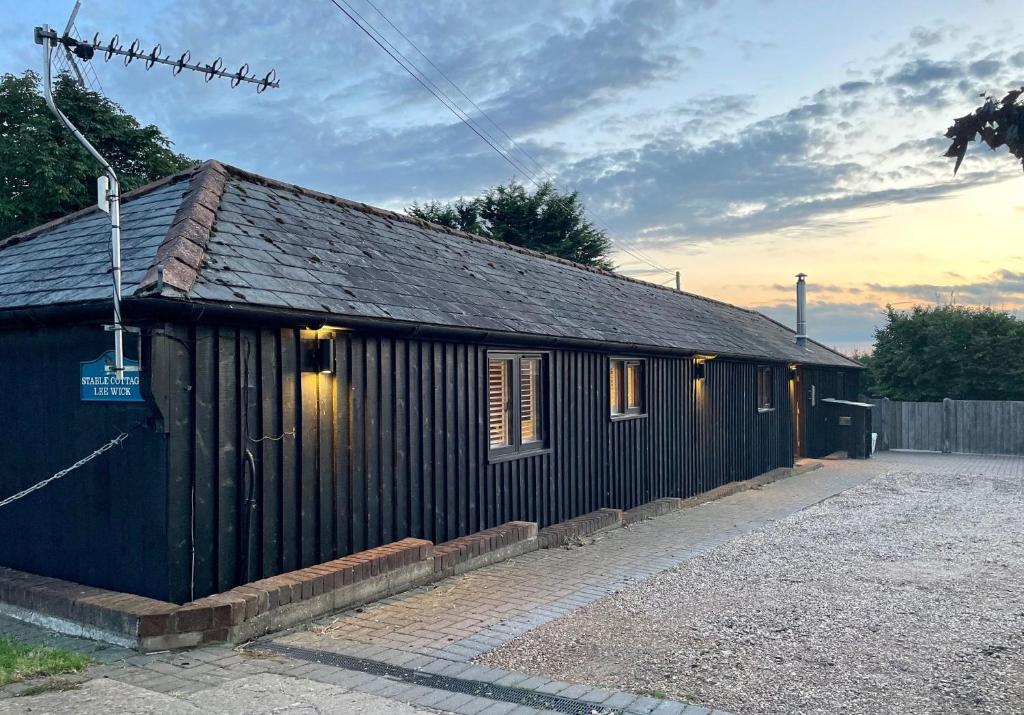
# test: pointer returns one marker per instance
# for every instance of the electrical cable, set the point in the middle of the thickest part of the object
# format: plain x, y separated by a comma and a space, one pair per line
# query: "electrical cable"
414, 71
465, 96
427, 84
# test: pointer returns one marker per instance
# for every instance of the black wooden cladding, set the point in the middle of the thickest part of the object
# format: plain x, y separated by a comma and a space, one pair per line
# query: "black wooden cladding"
106, 523
820, 420
250, 467
395, 444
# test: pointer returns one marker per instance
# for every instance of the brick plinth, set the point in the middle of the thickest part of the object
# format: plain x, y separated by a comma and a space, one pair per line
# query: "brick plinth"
282, 601
564, 532
234, 615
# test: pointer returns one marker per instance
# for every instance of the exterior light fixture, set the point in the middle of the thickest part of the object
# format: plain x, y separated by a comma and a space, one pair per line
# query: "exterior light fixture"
699, 365
792, 371
318, 354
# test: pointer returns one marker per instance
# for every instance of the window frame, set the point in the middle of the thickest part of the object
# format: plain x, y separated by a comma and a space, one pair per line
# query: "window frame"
509, 409
627, 412
516, 448
769, 383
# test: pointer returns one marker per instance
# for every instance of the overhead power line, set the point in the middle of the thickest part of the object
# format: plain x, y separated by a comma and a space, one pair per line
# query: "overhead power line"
465, 96
414, 72
635, 253
446, 100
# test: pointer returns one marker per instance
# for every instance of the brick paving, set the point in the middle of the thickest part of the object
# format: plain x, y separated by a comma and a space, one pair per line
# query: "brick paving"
464, 617
441, 628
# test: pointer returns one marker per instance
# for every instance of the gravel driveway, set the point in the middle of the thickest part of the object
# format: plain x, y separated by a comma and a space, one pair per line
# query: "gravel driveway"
905, 594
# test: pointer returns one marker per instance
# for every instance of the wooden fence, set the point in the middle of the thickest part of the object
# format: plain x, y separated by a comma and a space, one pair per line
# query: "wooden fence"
971, 426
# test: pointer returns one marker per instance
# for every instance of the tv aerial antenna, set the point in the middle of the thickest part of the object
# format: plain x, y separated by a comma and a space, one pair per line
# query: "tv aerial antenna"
108, 187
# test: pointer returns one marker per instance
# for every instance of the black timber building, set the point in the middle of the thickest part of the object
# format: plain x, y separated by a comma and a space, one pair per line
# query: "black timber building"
319, 377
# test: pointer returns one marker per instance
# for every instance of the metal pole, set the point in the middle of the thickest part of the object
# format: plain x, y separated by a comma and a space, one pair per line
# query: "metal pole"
46, 37
678, 283
801, 310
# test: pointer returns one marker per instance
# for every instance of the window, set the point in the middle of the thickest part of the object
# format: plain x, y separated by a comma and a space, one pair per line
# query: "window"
529, 400
499, 387
626, 387
516, 402
841, 385
765, 385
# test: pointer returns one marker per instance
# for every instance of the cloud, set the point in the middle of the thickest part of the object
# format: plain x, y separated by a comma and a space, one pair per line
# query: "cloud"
570, 72
842, 325
985, 68
854, 86
925, 37
847, 324
1003, 288
348, 120
774, 174
922, 72
818, 288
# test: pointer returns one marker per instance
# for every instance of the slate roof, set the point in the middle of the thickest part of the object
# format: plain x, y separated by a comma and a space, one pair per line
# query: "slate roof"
223, 235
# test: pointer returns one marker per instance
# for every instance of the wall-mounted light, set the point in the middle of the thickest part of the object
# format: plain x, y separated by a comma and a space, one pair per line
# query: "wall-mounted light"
699, 365
318, 354
792, 371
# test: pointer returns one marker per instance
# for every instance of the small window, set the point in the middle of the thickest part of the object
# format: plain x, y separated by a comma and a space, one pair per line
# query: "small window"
529, 400
765, 384
626, 387
499, 388
516, 402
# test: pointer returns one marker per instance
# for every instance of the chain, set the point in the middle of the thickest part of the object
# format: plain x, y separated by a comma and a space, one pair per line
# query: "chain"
64, 472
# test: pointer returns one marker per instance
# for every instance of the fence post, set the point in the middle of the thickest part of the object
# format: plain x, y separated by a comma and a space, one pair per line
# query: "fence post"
885, 427
948, 423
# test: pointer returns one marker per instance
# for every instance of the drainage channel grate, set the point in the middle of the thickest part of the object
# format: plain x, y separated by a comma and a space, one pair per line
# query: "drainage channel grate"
477, 688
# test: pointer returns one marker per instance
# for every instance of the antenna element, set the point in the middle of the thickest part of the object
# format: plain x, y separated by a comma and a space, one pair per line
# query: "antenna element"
108, 187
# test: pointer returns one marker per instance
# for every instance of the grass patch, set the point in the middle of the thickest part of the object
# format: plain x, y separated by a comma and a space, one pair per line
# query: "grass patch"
20, 662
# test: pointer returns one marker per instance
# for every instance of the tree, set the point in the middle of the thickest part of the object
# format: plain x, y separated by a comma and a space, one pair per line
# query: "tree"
462, 215
867, 382
930, 353
45, 173
545, 220
996, 122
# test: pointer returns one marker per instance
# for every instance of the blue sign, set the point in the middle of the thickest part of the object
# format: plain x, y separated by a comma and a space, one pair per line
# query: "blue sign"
99, 382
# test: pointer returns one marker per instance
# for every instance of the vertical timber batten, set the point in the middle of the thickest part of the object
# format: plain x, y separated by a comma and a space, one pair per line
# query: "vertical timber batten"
394, 444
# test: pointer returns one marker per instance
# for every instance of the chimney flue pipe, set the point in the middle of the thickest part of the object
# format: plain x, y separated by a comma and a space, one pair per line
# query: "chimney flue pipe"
801, 310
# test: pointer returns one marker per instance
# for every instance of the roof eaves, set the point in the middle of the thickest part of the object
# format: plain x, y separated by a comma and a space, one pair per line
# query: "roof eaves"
179, 259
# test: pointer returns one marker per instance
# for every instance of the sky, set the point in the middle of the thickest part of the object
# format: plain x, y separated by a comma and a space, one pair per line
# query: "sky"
736, 142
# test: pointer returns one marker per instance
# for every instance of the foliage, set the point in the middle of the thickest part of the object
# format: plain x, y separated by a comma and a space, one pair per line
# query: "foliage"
930, 353
45, 173
997, 122
545, 220
20, 662
867, 382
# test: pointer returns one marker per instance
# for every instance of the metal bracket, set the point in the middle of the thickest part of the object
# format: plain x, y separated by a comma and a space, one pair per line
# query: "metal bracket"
136, 331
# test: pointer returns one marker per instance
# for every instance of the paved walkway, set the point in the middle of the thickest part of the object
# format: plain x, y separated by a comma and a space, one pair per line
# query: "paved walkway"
417, 647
